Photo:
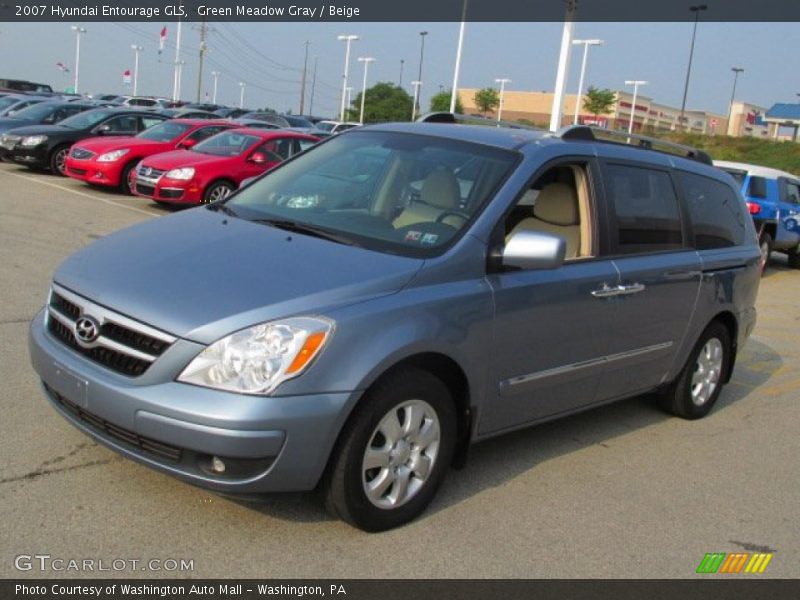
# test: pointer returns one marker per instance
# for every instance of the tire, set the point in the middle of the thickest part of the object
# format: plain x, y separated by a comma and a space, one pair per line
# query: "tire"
794, 258
217, 191
125, 178
700, 382
765, 244
409, 406
58, 159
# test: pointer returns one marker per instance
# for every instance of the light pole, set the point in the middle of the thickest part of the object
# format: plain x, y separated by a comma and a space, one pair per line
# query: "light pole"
242, 85
176, 80
416, 85
422, 35
635, 83
349, 96
457, 68
136, 49
736, 71
502, 83
215, 75
366, 60
696, 10
345, 38
586, 44
78, 31
563, 66
400, 83
179, 70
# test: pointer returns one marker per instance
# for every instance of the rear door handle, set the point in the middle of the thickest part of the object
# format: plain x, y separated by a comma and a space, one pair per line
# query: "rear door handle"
609, 291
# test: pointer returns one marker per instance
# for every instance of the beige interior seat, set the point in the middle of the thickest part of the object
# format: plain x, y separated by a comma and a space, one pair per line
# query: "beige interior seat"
440, 193
556, 211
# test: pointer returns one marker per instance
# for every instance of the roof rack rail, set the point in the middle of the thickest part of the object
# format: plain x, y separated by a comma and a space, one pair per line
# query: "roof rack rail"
455, 118
585, 133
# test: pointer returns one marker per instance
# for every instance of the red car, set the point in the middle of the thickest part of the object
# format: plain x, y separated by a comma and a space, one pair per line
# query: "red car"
109, 161
215, 167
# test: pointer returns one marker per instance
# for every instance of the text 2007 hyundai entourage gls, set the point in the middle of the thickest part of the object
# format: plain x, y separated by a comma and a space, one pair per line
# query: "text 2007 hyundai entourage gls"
354, 319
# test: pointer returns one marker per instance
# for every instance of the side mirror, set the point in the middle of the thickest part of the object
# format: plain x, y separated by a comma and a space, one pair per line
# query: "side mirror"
258, 158
187, 143
103, 129
534, 250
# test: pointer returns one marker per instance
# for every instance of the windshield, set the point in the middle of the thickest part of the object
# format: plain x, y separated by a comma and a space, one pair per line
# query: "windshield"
8, 101
391, 192
37, 112
86, 119
737, 174
165, 132
326, 126
227, 143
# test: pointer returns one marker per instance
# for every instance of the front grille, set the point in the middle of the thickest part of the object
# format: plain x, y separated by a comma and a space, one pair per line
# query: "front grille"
149, 172
145, 190
75, 171
81, 153
121, 345
118, 434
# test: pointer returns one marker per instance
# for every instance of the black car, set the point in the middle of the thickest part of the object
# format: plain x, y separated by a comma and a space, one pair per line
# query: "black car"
43, 113
46, 146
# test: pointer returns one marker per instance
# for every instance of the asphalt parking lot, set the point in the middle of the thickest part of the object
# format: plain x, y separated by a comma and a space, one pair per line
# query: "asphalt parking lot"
622, 491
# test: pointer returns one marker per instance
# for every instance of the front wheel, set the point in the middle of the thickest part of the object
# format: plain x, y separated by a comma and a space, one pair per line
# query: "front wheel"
393, 453
217, 191
58, 160
700, 382
127, 178
794, 257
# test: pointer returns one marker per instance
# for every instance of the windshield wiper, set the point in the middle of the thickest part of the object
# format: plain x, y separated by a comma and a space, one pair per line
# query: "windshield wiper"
222, 207
307, 230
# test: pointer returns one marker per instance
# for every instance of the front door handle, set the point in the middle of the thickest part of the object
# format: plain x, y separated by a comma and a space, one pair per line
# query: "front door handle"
609, 291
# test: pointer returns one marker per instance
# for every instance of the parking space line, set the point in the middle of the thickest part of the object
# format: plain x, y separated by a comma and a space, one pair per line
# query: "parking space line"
79, 193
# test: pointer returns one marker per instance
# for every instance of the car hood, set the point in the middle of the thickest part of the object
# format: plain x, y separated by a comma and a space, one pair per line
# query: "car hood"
201, 275
184, 158
8, 123
100, 145
44, 130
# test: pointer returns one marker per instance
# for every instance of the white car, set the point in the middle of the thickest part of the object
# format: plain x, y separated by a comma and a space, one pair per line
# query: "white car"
336, 126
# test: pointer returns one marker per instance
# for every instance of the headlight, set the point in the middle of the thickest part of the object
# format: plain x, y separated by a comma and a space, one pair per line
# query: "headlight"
258, 359
184, 173
112, 156
34, 140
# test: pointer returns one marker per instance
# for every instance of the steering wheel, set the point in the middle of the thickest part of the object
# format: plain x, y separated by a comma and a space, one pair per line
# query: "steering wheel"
451, 213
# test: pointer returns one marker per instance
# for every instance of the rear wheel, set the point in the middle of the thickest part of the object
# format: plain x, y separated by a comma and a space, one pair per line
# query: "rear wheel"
58, 160
217, 191
700, 382
393, 453
794, 257
765, 244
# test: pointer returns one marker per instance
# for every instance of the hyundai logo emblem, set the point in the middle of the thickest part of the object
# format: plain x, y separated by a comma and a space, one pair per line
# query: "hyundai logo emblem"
87, 329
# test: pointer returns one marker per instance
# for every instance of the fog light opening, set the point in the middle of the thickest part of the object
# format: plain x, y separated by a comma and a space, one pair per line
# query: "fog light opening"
217, 464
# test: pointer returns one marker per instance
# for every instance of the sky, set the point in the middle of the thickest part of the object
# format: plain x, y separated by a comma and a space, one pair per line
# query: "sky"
269, 58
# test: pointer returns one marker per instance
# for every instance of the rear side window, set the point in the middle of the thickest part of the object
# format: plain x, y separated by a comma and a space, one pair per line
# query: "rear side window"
717, 217
647, 216
757, 188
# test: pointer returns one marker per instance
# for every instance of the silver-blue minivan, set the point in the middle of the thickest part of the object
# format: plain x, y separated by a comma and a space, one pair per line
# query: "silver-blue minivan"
356, 318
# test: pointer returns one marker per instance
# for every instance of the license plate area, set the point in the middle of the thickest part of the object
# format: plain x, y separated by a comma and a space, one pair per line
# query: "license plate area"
69, 385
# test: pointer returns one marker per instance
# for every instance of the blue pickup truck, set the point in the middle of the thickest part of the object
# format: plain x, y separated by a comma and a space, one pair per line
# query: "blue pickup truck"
773, 199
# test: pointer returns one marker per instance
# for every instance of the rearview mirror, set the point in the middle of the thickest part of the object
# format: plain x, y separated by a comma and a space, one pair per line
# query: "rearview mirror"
258, 158
534, 250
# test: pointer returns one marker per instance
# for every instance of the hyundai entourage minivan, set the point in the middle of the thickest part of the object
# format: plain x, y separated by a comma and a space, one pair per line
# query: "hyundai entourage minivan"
353, 320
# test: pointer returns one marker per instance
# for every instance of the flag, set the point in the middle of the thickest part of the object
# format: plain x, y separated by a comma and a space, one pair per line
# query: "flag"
162, 37
126, 77
62, 67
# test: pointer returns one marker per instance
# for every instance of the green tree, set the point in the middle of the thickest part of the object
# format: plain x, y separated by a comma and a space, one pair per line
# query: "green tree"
383, 102
487, 99
599, 101
441, 102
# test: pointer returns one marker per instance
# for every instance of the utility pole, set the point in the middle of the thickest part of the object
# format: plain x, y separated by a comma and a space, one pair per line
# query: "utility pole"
303, 83
313, 87
696, 10
203, 32
736, 71
400, 83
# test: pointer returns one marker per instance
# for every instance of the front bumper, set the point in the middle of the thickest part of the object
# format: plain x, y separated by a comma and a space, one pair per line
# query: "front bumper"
93, 172
269, 444
35, 156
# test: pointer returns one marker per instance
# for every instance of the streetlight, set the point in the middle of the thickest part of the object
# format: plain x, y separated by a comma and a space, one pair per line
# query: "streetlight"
349, 95
215, 75
563, 66
635, 83
457, 68
400, 83
242, 85
736, 71
586, 44
416, 85
422, 35
696, 10
78, 31
502, 83
348, 39
366, 60
136, 49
